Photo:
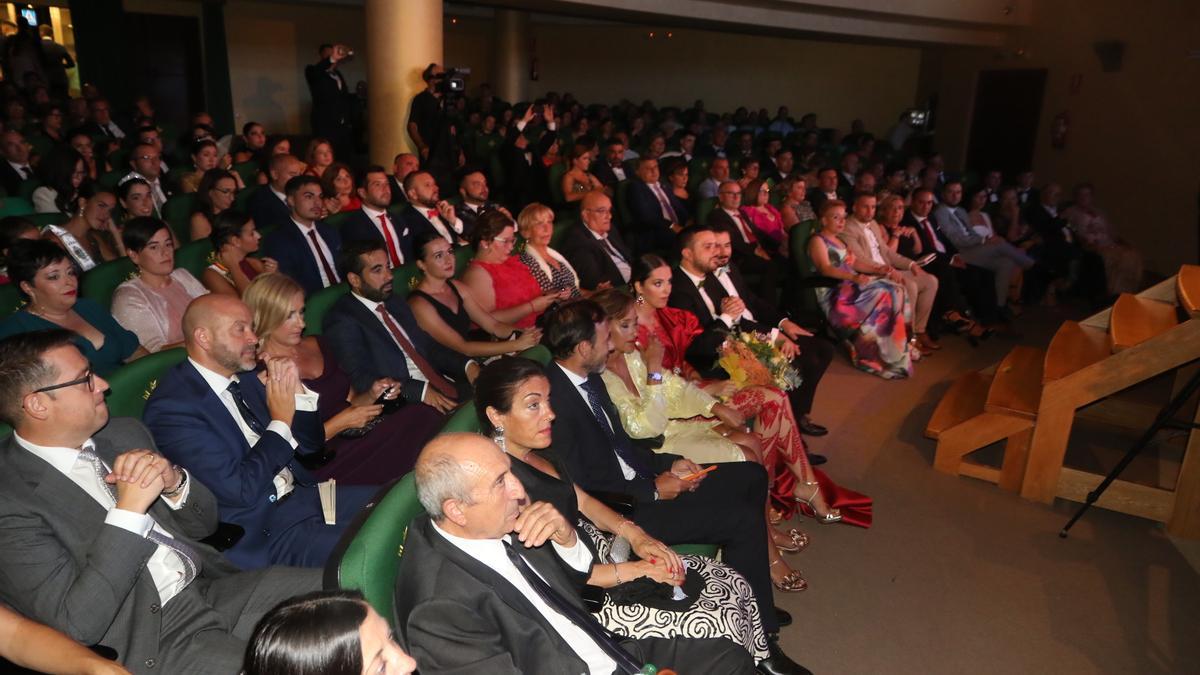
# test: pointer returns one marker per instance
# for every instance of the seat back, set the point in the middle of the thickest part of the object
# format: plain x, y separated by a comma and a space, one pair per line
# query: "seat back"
10, 300
132, 383
178, 212
704, 208
463, 420
462, 258
101, 281
367, 558
537, 353
243, 197
44, 219
16, 205
336, 219
317, 304
405, 278
248, 171
193, 256
554, 177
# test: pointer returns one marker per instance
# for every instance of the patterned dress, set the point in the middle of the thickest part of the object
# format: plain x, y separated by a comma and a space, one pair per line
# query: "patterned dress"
871, 318
558, 278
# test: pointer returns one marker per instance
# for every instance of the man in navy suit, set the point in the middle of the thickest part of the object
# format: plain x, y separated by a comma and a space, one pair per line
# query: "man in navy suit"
241, 437
473, 199
427, 211
305, 248
268, 205
373, 222
655, 221
374, 335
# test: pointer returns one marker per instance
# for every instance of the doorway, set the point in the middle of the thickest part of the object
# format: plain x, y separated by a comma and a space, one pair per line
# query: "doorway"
1004, 126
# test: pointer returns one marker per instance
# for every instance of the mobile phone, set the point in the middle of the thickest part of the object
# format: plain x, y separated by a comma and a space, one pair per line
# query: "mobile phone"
390, 405
925, 260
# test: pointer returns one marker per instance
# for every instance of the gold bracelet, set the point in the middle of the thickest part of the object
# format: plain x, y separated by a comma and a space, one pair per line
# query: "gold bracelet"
617, 574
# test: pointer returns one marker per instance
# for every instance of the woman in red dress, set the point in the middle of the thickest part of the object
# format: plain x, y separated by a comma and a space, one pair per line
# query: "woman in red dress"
501, 284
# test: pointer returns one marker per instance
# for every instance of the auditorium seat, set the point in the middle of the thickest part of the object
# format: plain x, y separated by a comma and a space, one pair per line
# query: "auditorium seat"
44, 219
1135, 320
10, 300
100, 282
193, 256
1017, 387
17, 205
1187, 288
248, 171
178, 212
131, 384
318, 304
1073, 348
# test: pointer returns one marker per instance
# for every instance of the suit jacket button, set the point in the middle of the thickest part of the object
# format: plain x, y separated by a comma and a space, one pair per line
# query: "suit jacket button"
266, 533
154, 608
150, 663
272, 498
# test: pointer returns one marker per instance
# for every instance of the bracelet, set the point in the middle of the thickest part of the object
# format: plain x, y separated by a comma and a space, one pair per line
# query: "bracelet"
173, 492
617, 574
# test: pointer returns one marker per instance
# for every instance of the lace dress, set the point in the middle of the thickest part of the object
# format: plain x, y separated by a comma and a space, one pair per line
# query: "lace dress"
513, 285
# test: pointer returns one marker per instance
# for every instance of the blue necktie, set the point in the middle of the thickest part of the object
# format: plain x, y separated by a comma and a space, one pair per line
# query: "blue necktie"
618, 442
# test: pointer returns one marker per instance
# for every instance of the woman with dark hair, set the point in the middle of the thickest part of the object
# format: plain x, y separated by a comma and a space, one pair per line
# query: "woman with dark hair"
445, 309
750, 170
675, 176
90, 235
512, 402
764, 217
371, 447
214, 195
152, 303
234, 237
795, 207
503, 286
62, 171
578, 180
205, 156
250, 143
52, 124
49, 280
135, 197
318, 156
94, 162
337, 184
324, 633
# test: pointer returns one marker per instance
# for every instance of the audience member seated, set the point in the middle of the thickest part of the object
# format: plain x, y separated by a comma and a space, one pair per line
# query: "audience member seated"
318, 157
62, 171
146, 160
502, 285
655, 221
136, 198
426, 211
374, 335
94, 164
337, 184
513, 404
763, 217
677, 174
548, 266
15, 169
402, 165
205, 158
446, 308
482, 560
1123, 265
748, 252
268, 205
578, 180
595, 250
1009, 220
718, 173
12, 230
32, 645
332, 632
827, 188
611, 170
472, 200
372, 222
794, 208
722, 507
242, 433
49, 281
89, 236
234, 238
869, 314
252, 142
371, 447
214, 195
869, 244
750, 169
152, 303
102, 534
102, 121
305, 248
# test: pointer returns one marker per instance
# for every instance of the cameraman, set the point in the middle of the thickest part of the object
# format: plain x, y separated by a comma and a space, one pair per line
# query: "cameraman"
332, 100
430, 129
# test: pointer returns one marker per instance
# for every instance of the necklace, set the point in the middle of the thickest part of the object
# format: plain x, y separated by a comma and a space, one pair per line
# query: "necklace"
52, 319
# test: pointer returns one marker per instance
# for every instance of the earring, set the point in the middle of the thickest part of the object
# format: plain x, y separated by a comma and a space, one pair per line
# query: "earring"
498, 437
641, 300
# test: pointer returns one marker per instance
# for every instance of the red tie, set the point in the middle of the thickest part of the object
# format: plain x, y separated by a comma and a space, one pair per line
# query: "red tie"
747, 233
329, 273
933, 235
431, 214
393, 252
431, 376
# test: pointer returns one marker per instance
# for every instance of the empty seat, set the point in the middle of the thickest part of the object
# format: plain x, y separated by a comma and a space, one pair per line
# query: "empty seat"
1135, 320
962, 401
1073, 348
1017, 387
1187, 287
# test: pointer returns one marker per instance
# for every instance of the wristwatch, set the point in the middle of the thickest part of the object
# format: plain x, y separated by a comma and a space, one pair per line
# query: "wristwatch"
654, 378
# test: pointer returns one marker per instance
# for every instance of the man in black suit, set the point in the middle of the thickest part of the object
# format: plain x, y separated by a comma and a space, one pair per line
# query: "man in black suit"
331, 98
146, 160
268, 205
373, 222
611, 169
430, 129
1060, 253
102, 123
671, 503
828, 187
305, 247
848, 174
707, 284
961, 287
516, 156
756, 263
374, 335
15, 169
715, 147
594, 248
428, 212
472, 200
468, 571
402, 165
655, 221
782, 166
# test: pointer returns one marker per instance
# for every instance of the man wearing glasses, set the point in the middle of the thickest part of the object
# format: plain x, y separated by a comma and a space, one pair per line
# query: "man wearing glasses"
101, 531
751, 258
594, 248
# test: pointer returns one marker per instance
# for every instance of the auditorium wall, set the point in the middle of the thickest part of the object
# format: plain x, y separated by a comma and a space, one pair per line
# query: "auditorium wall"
1133, 132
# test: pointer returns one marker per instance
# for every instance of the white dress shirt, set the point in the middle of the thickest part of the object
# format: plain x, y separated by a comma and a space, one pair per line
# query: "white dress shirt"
440, 225
157, 193
373, 215
722, 275
491, 552
622, 264
618, 171
578, 381
282, 197
21, 170
306, 402
413, 371
113, 129
304, 230
165, 567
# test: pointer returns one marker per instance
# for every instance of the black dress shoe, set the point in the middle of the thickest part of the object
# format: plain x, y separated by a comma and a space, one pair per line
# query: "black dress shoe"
779, 663
814, 459
783, 617
811, 428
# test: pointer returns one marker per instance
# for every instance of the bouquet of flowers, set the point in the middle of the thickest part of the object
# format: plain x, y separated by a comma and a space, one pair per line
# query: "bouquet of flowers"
751, 358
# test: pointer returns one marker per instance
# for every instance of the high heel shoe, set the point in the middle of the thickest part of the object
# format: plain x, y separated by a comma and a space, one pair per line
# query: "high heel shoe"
797, 541
807, 508
794, 582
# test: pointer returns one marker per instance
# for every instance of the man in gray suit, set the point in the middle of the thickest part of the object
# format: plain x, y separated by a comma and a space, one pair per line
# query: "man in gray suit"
987, 251
101, 532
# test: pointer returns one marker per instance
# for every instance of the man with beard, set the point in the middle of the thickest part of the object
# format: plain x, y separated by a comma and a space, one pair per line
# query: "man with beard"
305, 247
241, 434
428, 211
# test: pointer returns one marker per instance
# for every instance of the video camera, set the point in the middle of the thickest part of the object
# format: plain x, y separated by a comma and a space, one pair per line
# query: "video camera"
918, 118
452, 82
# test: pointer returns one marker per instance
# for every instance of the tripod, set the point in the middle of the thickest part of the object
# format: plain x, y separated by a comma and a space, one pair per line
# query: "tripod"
1163, 420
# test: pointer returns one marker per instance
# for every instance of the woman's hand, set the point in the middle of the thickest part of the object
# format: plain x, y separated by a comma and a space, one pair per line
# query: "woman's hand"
528, 339
730, 416
861, 279
721, 389
270, 265
230, 256
653, 352
657, 571
650, 549
352, 418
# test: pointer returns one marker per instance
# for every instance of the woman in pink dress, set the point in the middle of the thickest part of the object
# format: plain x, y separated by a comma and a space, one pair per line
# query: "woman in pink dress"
764, 217
499, 282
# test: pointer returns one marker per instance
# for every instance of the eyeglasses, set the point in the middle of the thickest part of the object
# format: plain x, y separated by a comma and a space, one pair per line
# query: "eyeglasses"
502, 241
731, 192
225, 191
89, 377
603, 212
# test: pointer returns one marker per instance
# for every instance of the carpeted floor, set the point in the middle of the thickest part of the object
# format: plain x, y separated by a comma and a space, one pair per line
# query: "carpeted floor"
957, 576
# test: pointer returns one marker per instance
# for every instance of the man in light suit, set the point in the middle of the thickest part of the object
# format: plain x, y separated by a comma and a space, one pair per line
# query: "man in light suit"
268, 205
305, 247
114, 561
373, 222
594, 248
483, 561
244, 439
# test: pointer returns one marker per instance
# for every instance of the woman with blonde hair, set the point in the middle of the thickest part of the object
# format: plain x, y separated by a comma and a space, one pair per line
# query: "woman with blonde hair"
552, 271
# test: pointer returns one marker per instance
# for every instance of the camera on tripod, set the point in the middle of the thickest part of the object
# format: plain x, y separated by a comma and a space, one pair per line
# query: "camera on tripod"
452, 81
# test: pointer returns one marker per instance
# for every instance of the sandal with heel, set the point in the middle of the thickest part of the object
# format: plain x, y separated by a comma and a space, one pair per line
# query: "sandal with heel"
794, 582
806, 506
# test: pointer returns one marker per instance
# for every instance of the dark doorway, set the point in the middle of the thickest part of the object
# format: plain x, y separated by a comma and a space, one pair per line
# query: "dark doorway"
1004, 126
165, 63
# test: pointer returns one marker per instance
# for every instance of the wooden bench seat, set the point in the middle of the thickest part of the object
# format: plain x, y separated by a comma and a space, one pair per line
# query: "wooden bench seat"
962, 401
1017, 387
1135, 320
1187, 288
1074, 348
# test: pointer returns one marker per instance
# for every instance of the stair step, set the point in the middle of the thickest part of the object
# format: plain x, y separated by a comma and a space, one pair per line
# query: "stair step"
1187, 287
1017, 387
962, 401
1073, 348
1135, 320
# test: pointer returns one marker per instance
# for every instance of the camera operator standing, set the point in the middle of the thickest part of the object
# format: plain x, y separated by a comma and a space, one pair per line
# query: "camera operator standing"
332, 100
430, 129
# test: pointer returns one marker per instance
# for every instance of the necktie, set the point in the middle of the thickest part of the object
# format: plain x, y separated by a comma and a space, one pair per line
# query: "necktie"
26, 173
393, 252
432, 376
329, 273
431, 214
619, 442
611, 251
933, 235
747, 233
575, 615
186, 554
252, 421
663, 202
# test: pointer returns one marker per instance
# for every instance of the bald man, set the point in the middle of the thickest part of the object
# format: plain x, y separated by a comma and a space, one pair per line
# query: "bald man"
595, 248
243, 435
268, 205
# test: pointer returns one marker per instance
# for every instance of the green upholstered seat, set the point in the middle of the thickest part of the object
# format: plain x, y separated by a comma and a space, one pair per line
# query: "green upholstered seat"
368, 556
318, 304
44, 219
101, 281
109, 179
248, 171
243, 197
622, 205
27, 188
704, 208
462, 258
10, 300
462, 419
132, 383
405, 278
336, 219
554, 178
178, 212
17, 205
706, 550
537, 353
193, 256
562, 224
